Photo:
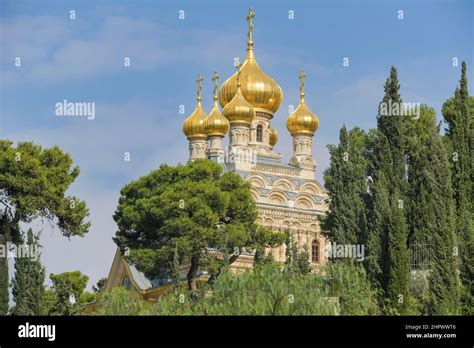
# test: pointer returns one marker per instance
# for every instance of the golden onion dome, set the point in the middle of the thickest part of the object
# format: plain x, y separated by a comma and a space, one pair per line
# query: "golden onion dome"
302, 120
238, 110
273, 136
194, 125
257, 87
216, 124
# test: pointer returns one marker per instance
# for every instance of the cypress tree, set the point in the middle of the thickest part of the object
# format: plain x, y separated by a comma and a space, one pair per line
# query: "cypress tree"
28, 282
432, 211
4, 293
346, 181
388, 189
377, 243
458, 113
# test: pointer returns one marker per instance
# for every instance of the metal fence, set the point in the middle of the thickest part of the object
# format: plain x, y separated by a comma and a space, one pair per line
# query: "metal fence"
420, 256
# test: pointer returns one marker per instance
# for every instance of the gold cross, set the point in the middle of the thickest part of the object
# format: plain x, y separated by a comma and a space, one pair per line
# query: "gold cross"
238, 73
215, 77
301, 77
250, 19
199, 83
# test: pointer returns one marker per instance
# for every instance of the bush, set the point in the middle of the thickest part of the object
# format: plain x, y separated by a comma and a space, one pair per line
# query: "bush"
121, 301
264, 290
350, 283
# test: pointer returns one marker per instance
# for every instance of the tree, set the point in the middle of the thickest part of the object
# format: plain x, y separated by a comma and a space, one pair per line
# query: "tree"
388, 189
122, 301
350, 283
263, 239
458, 113
100, 285
346, 181
49, 300
208, 216
68, 288
33, 184
296, 261
4, 281
28, 283
431, 210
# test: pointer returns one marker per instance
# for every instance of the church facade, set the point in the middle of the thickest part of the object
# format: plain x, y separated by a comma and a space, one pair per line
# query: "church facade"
287, 195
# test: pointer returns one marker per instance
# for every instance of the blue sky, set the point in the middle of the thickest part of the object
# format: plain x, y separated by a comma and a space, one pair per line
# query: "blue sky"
137, 106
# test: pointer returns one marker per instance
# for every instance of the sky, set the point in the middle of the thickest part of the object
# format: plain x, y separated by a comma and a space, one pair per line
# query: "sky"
137, 106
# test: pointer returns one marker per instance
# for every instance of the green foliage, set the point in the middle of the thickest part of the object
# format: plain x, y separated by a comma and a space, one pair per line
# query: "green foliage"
349, 282
33, 184
65, 285
262, 239
431, 210
4, 281
388, 260
264, 290
420, 293
49, 300
346, 181
458, 113
28, 283
87, 297
194, 208
121, 301
100, 285
296, 262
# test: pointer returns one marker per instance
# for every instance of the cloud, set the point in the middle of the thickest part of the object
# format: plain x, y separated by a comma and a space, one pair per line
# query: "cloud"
55, 49
137, 126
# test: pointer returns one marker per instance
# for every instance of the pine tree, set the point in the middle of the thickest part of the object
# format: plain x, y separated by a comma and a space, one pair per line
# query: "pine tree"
28, 283
459, 116
346, 181
388, 188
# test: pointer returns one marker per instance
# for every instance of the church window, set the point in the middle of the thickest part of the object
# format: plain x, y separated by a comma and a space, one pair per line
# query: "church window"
260, 133
315, 251
126, 283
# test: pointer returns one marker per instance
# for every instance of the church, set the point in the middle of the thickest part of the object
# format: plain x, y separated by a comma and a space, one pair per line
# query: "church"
287, 195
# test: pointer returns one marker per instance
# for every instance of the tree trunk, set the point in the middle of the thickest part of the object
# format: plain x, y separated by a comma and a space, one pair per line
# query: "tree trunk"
7, 227
214, 276
191, 276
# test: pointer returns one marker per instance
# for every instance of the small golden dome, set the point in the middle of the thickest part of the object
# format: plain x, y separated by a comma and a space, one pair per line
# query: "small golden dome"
302, 120
216, 124
273, 136
259, 89
238, 110
194, 125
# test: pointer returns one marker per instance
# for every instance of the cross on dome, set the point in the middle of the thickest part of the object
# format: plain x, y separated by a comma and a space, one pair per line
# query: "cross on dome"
250, 17
301, 77
199, 83
215, 77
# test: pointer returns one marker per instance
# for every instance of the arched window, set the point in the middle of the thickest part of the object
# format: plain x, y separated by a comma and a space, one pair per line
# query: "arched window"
315, 251
126, 283
260, 133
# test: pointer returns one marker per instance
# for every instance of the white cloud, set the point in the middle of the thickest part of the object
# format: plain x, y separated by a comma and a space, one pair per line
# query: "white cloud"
55, 49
